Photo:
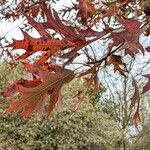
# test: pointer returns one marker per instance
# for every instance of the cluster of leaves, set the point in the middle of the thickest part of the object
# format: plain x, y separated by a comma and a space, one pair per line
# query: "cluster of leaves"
48, 76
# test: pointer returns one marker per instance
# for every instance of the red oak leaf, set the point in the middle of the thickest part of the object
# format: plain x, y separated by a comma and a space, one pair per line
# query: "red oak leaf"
32, 45
33, 94
54, 22
129, 36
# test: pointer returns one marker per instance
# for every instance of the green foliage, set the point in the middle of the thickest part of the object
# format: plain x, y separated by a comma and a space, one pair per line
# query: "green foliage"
87, 129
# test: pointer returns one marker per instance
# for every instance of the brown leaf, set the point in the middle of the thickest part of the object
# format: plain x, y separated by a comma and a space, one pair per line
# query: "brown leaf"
136, 97
93, 80
117, 62
81, 94
136, 118
135, 100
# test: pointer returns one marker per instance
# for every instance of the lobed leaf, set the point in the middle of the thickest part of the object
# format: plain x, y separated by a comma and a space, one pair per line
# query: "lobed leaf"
34, 93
